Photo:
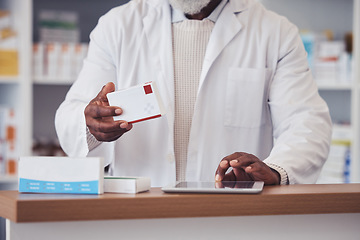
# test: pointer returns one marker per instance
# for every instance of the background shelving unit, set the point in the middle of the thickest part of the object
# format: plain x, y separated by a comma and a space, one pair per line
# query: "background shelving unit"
356, 94
8, 79
56, 89
343, 97
36, 101
16, 91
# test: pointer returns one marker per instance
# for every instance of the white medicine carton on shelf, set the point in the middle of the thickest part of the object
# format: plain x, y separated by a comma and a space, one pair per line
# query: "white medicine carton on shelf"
117, 184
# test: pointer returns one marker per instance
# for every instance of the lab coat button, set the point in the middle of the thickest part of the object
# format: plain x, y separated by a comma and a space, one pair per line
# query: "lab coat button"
170, 157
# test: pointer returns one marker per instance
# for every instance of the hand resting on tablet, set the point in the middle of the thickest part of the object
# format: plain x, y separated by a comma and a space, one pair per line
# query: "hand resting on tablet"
246, 167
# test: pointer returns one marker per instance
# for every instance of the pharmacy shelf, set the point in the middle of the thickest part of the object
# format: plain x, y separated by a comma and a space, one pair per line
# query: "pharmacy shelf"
355, 148
342, 96
15, 91
53, 82
8, 179
8, 183
9, 79
335, 86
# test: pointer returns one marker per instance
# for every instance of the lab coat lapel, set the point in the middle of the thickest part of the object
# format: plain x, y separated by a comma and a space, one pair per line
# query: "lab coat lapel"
157, 28
225, 29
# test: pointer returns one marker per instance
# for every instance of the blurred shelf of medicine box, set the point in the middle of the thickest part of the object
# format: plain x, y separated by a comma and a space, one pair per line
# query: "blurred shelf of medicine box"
333, 45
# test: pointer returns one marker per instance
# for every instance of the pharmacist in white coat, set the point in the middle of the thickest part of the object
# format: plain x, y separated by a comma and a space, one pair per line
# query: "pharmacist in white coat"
254, 104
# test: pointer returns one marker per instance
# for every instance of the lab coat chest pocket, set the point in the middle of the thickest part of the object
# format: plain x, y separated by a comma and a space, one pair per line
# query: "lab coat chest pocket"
246, 97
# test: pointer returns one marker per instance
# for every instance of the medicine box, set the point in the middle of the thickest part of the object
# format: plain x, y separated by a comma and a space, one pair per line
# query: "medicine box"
139, 103
118, 184
61, 175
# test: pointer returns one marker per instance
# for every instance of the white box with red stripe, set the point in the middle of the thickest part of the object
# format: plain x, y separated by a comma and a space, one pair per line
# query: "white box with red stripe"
139, 103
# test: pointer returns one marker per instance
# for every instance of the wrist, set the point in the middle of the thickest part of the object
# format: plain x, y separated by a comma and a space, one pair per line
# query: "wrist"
92, 142
277, 176
281, 173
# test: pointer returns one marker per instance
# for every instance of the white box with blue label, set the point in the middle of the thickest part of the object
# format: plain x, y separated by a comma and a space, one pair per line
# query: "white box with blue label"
61, 175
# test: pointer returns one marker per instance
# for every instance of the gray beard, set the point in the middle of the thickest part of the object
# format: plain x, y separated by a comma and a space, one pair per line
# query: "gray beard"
189, 7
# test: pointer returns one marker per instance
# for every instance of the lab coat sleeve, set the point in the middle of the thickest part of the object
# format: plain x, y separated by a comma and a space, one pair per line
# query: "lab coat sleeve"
301, 120
98, 69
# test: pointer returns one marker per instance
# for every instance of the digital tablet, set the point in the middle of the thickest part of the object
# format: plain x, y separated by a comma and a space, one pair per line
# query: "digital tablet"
215, 187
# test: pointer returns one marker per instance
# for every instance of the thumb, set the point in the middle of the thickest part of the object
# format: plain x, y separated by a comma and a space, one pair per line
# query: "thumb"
108, 88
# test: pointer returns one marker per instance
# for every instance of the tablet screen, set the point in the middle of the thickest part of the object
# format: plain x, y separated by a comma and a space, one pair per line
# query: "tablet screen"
216, 187
201, 185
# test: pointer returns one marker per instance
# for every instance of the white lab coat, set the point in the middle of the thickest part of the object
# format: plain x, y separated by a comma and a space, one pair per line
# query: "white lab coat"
256, 94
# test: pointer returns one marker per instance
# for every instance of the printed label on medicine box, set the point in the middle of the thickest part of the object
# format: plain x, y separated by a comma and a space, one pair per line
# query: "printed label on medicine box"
139, 103
61, 175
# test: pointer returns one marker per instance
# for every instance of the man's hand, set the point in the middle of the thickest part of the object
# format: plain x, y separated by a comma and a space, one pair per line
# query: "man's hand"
99, 117
246, 167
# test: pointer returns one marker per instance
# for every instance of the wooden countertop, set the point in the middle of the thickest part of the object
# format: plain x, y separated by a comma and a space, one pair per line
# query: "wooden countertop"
274, 200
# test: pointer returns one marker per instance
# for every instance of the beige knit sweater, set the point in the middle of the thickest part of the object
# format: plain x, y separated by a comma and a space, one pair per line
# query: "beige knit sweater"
190, 38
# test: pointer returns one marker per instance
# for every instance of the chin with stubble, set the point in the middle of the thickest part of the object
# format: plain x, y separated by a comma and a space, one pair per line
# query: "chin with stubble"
189, 7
